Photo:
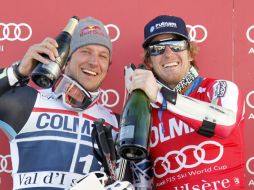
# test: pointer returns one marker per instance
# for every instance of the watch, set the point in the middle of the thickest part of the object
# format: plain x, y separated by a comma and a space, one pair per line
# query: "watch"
22, 80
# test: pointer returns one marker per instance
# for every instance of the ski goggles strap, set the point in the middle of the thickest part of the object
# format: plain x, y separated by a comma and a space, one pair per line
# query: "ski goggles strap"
72, 93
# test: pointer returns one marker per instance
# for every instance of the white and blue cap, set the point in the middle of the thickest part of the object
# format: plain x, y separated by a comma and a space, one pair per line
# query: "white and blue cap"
164, 24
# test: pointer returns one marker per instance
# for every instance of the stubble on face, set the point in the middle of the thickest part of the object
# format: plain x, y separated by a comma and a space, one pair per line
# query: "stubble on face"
89, 66
170, 67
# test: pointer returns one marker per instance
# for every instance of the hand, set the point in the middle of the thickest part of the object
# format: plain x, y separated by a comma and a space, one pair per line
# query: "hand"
34, 54
145, 80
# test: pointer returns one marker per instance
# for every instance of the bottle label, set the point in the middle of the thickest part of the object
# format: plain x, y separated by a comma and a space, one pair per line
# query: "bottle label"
127, 132
53, 68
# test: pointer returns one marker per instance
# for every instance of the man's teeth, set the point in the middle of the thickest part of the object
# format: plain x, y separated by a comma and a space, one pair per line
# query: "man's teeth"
171, 64
89, 72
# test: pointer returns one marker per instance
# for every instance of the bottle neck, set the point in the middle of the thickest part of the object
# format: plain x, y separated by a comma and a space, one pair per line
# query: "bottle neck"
70, 27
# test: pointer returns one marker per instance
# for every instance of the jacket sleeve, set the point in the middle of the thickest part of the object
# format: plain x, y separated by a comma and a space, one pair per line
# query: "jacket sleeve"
16, 102
217, 114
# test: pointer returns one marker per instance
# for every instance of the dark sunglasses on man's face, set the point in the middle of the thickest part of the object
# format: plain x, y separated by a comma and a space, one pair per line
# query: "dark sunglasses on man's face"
158, 47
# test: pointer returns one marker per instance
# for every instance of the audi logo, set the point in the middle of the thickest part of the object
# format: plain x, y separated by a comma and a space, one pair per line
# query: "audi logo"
199, 154
249, 166
4, 164
248, 99
248, 34
197, 33
109, 97
117, 31
13, 31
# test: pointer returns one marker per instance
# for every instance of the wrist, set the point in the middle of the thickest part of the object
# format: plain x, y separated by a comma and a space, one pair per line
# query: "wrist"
22, 80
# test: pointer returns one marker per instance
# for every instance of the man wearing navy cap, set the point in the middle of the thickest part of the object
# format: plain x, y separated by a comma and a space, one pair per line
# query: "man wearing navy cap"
196, 137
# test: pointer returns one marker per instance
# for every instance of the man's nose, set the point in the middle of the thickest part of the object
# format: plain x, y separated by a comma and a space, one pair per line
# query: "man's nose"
168, 51
93, 59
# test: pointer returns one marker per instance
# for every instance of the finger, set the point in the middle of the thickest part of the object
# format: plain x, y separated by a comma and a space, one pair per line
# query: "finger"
52, 48
141, 71
41, 59
146, 82
51, 44
40, 49
137, 83
139, 80
51, 41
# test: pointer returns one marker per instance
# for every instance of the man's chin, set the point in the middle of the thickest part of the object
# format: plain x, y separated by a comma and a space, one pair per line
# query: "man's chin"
91, 88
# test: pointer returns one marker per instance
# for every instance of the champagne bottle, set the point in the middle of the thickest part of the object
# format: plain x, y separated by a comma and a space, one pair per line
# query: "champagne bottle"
135, 127
44, 75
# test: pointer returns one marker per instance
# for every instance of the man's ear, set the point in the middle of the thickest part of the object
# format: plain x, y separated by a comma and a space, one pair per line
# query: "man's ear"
148, 63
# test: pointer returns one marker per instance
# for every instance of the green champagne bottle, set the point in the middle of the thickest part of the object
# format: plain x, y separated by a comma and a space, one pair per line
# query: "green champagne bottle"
135, 127
44, 75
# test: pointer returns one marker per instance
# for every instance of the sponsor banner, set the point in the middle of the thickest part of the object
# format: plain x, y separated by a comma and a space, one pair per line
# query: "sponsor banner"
45, 179
226, 50
243, 71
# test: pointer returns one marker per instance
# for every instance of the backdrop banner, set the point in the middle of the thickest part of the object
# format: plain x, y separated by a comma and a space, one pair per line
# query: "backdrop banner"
224, 31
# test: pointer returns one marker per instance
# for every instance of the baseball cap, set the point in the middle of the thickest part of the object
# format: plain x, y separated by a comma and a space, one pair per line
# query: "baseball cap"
164, 24
90, 31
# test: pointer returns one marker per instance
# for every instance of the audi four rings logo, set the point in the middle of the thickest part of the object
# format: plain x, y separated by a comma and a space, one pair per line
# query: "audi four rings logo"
250, 165
117, 31
197, 33
198, 152
107, 95
248, 34
249, 97
5, 163
13, 31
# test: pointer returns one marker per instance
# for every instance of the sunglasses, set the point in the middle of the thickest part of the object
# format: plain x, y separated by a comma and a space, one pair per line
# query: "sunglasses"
158, 47
73, 94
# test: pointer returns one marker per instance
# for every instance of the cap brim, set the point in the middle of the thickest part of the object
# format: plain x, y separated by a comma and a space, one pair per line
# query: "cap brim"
149, 39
